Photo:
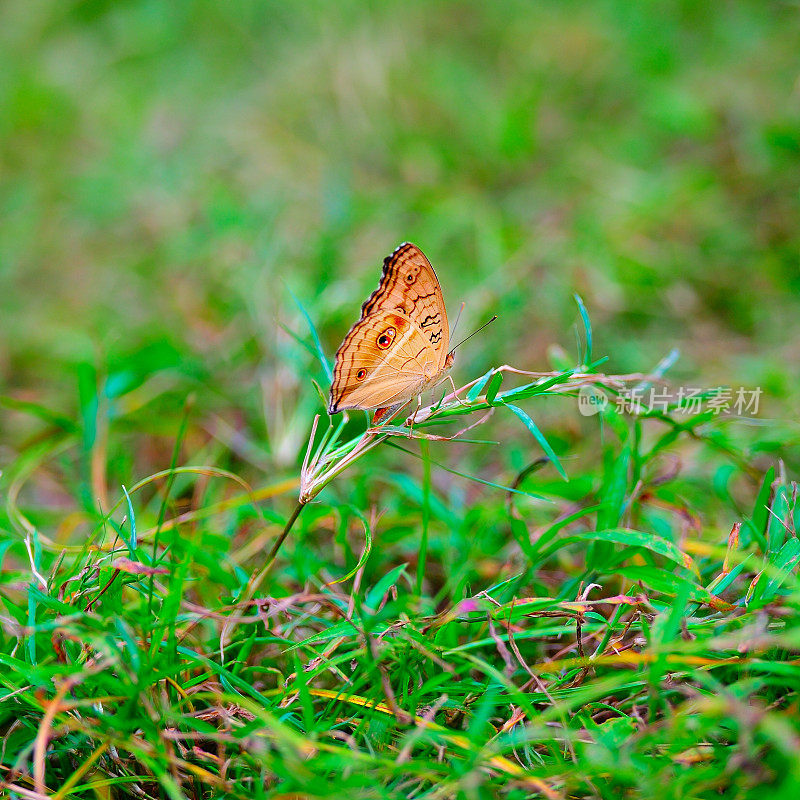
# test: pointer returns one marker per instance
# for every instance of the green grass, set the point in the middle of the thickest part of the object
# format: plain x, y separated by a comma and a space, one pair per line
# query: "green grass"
596, 637
184, 189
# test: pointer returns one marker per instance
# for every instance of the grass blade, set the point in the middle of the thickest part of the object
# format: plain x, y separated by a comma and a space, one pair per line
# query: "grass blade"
539, 436
315, 336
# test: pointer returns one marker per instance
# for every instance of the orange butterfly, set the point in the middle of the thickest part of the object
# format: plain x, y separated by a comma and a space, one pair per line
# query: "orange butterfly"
399, 347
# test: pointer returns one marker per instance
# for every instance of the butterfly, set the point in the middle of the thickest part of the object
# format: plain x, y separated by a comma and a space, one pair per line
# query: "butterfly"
399, 346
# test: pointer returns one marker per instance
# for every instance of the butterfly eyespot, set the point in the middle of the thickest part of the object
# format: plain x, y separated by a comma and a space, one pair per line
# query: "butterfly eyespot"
386, 338
361, 374
410, 278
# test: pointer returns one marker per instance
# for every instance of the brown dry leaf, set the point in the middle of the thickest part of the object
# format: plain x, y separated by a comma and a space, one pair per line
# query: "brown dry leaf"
124, 564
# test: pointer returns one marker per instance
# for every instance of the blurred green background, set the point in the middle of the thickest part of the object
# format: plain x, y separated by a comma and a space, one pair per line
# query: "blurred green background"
170, 171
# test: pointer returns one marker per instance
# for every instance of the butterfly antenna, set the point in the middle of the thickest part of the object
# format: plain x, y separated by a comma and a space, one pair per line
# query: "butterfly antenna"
458, 317
474, 332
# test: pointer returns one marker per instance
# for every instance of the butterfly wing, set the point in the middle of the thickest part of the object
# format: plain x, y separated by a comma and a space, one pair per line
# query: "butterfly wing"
384, 361
399, 346
409, 285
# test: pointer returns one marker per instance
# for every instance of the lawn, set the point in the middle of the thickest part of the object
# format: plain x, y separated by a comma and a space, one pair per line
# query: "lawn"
578, 579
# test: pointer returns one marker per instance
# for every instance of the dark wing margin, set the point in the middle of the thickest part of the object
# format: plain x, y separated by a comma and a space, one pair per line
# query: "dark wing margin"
392, 270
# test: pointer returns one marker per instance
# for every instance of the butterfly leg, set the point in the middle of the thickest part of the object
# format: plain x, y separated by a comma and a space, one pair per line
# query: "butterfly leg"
414, 416
455, 391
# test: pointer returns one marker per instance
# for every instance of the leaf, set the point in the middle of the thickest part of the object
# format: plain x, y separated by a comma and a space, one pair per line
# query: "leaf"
656, 579
87, 397
634, 538
552, 531
539, 436
757, 582
321, 393
315, 336
31, 643
669, 583
475, 391
666, 626
722, 582
376, 593
364, 554
757, 524
519, 530
530, 606
615, 421
40, 411
132, 520
587, 326
536, 387
4, 545
124, 564
721, 479
344, 628
494, 385
615, 490
666, 363
784, 562
778, 519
